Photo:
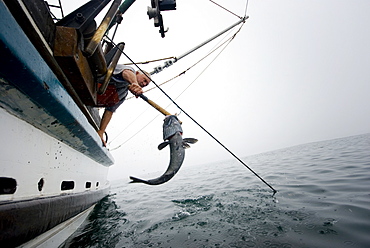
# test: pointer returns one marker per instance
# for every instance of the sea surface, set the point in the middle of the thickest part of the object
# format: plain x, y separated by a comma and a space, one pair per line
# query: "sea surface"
323, 200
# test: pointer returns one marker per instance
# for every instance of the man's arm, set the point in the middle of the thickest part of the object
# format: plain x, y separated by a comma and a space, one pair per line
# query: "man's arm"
130, 77
107, 116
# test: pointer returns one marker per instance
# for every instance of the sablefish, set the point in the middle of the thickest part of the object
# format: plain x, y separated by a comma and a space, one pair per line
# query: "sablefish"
172, 135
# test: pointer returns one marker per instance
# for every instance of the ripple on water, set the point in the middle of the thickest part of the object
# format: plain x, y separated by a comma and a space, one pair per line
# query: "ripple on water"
323, 200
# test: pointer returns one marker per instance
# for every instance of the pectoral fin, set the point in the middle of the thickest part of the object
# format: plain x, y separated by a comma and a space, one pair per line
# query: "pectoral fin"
190, 140
186, 141
162, 145
185, 145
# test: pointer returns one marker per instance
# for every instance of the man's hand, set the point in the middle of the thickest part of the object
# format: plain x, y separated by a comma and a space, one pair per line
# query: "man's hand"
101, 134
135, 89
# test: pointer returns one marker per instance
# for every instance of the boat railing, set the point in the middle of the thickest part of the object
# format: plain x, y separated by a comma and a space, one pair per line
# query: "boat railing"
55, 6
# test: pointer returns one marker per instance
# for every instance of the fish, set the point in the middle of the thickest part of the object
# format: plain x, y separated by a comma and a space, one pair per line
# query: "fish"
172, 136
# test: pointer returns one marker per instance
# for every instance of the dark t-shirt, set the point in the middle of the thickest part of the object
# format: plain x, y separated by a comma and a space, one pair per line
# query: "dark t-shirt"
121, 85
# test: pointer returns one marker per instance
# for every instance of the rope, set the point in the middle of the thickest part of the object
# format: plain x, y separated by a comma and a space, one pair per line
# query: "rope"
150, 61
226, 9
133, 134
169, 80
126, 128
229, 40
246, 8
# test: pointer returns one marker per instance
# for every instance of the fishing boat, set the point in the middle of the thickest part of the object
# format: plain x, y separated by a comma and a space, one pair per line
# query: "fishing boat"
53, 165
53, 74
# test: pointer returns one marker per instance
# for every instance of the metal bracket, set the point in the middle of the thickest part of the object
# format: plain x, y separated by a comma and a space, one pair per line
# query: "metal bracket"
154, 12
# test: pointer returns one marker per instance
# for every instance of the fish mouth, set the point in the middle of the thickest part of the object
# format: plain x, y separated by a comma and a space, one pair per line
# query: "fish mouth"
171, 126
169, 119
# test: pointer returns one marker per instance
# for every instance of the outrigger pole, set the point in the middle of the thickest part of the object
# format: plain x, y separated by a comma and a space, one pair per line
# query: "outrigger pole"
170, 62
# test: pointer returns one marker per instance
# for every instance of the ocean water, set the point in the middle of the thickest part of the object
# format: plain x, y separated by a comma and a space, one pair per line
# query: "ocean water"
323, 200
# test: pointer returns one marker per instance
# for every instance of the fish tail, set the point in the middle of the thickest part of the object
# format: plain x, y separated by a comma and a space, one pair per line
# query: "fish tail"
137, 180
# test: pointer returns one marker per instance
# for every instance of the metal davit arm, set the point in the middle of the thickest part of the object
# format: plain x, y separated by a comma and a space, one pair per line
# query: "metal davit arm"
102, 29
111, 68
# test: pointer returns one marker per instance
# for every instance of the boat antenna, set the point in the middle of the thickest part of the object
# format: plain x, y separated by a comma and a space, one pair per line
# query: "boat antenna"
197, 123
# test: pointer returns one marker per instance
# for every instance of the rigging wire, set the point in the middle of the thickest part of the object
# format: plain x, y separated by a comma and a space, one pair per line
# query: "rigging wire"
246, 8
182, 73
226, 9
134, 133
150, 61
216, 47
126, 129
229, 41
196, 63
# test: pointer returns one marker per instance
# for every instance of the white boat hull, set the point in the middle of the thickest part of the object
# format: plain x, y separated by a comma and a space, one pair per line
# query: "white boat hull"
30, 156
53, 166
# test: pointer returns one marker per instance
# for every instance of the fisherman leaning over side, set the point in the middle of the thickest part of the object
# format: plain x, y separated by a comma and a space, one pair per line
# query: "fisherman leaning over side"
125, 79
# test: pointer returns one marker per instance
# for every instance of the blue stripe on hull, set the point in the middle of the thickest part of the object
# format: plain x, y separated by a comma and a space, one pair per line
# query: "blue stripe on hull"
23, 69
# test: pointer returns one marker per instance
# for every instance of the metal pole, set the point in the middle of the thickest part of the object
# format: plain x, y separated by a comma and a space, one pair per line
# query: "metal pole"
214, 37
102, 29
125, 5
172, 61
121, 10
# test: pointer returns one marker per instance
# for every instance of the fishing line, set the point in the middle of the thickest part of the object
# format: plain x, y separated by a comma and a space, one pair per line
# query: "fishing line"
134, 134
199, 125
126, 128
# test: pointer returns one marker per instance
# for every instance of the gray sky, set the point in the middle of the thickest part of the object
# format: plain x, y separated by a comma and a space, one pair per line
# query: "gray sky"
296, 73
